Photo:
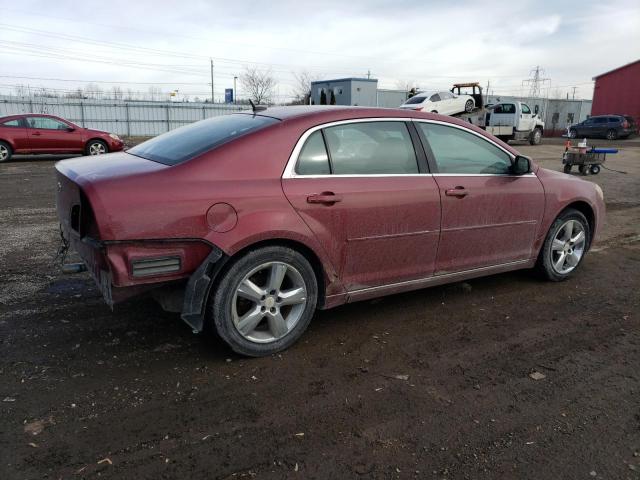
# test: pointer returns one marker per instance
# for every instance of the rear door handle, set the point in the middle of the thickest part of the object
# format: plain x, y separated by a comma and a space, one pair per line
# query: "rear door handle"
456, 192
36, 134
328, 198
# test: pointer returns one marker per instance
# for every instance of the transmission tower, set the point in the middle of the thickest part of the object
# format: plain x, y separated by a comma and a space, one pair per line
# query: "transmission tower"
536, 82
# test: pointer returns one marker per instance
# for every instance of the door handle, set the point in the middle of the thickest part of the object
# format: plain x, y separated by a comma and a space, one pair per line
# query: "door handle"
328, 198
36, 134
459, 192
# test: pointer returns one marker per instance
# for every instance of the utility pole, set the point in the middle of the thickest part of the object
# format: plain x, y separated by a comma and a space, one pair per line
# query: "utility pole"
212, 97
574, 93
486, 100
235, 91
369, 73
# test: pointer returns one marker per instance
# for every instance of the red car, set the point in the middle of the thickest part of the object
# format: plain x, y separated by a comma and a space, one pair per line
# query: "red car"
37, 133
247, 223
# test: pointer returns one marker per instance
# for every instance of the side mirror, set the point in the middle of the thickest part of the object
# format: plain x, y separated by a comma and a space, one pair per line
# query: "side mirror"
521, 165
70, 129
536, 109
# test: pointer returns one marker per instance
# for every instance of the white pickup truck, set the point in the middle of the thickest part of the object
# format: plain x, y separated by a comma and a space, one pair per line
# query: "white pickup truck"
513, 121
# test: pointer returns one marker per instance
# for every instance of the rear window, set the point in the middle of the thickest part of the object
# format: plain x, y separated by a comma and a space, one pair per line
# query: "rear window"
416, 99
185, 143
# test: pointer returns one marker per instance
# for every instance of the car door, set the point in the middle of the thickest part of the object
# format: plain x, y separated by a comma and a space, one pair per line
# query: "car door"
601, 125
434, 104
15, 131
47, 134
489, 216
447, 104
586, 128
526, 118
365, 193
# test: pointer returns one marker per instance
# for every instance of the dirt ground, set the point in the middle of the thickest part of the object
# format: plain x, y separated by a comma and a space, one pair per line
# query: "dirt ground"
430, 384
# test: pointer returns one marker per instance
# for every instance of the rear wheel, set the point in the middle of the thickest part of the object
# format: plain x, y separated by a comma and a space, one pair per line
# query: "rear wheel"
584, 169
5, 152
612, 134
468, 106
96, 147
264, 301
567, 169
565, 246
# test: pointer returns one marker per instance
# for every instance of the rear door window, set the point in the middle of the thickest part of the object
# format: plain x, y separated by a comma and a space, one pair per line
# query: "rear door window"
369, 148
12, 123
614, 120
459, 151
435, 97
187, 142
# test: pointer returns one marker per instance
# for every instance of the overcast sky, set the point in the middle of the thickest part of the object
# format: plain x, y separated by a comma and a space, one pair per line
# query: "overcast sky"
428, 43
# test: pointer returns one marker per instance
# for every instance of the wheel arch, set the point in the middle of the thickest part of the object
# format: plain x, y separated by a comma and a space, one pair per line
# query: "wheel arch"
587, 210
9, 143
102, 140
306, 251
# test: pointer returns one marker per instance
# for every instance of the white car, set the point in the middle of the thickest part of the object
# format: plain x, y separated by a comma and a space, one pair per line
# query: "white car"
446, 103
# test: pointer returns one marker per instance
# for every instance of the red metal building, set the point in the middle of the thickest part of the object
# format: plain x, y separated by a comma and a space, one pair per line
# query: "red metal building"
618, 91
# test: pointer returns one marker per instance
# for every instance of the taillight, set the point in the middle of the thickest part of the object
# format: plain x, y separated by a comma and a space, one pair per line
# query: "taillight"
625, 124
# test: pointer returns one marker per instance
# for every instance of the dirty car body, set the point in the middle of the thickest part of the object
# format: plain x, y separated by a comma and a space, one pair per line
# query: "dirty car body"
296, 208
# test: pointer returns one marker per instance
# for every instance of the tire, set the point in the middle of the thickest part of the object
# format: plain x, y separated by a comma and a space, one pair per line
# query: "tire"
468, 106
612, 134
594, 170
567, 169
549, 257
583, 169
273, 326
434, 111
536, 137
573, 133
5, 152
96, 147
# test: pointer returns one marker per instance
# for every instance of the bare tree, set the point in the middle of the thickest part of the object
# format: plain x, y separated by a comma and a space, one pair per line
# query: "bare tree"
258, 84
93, 90
116, 92
302, 86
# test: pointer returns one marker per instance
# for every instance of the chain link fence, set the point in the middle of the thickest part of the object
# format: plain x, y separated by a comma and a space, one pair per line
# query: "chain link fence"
123, 117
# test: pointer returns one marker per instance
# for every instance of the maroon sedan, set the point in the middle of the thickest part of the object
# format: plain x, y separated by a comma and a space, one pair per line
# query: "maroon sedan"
36, 133
247, 223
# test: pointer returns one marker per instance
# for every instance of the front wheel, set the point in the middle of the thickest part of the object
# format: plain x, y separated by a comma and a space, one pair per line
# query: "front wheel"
264, 301
468, 106
5, 152
565, 246
96, 147
595, 169
536, 137
573, 133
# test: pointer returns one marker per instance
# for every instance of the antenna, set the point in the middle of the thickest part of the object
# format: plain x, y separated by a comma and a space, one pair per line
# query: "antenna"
256, 108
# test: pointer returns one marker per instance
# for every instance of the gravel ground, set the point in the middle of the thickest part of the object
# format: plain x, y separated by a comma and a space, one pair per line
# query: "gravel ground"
501, 377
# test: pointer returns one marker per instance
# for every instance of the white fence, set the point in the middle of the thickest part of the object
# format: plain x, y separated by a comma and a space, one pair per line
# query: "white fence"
127, 118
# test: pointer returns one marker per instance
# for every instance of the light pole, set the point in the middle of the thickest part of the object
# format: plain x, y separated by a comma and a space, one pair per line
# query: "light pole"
235, 91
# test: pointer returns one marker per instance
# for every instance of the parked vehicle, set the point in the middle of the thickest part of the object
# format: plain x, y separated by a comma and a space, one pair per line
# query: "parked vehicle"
37, 133
445, 103
608, 126
249, 222
514, 121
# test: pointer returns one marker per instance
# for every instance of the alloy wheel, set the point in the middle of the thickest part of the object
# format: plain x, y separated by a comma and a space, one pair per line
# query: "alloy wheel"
568, 247
97, 148
269, 302
4, 153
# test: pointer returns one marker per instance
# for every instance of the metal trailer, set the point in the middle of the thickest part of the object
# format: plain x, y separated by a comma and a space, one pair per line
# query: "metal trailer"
588, 162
